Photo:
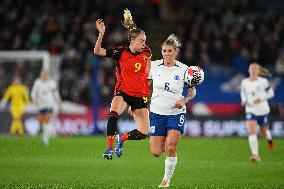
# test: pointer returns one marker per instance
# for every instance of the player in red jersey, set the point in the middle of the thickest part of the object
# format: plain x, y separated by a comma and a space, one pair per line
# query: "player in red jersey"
133, 61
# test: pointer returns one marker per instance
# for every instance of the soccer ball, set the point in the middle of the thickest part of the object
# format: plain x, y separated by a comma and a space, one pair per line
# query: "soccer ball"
194, 76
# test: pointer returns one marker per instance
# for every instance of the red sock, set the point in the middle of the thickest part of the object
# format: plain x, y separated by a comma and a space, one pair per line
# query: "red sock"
110, 141
124, 137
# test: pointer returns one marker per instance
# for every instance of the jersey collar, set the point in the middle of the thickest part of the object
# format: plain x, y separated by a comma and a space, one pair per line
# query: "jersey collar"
163, 64
128, 49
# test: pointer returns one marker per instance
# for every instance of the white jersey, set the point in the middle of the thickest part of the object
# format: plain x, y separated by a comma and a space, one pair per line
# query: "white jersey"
45, 94
256, 89
168, 85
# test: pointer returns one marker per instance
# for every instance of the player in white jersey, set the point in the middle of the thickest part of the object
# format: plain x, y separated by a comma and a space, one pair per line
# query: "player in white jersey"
255, 91
168, 105
45, 96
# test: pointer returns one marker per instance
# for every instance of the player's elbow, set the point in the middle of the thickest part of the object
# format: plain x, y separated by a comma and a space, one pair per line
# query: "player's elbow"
98, 52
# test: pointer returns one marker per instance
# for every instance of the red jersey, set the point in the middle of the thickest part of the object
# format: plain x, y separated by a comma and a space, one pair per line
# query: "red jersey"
118, 81
132, 69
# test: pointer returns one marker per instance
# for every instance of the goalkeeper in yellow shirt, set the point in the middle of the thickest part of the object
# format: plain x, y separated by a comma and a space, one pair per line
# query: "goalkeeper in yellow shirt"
17, 93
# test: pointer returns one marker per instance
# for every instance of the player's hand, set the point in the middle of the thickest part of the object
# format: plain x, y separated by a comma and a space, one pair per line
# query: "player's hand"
180, 104
258, 100
101, 26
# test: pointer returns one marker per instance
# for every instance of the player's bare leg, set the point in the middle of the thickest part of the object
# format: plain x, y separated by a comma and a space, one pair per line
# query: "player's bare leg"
253, 141
141, 117
157, 145
46, 128
266, 132
118, 106
172, 141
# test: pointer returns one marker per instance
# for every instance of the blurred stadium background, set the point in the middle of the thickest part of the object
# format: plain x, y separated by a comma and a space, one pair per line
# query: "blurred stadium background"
221, 36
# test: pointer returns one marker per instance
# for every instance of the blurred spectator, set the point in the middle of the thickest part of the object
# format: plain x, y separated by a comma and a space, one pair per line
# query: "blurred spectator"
279, 65
215, 34
241, 63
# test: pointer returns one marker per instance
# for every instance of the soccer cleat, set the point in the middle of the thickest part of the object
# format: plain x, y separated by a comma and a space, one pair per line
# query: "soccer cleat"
255, 158
119, 146
108, 153
165, 183
270, 145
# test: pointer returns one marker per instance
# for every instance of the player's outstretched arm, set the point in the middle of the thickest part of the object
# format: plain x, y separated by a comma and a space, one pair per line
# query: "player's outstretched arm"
191, 94
98, 50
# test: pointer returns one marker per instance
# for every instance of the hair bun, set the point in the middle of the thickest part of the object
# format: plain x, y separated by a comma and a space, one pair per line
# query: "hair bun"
173, 38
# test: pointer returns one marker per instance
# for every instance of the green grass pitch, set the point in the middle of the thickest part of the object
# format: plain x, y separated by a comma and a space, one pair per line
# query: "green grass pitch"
76, 162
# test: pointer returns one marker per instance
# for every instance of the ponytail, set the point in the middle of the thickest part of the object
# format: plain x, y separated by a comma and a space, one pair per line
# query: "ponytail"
264, 72
128, 21
129, 24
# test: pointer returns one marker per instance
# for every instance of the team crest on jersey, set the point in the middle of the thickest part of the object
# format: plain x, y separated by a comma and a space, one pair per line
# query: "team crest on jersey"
145, 58
177, 78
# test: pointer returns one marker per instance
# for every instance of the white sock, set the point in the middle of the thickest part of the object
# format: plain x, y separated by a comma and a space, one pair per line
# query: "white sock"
170, 164
268, 134
253, 144
52, 129
45, 134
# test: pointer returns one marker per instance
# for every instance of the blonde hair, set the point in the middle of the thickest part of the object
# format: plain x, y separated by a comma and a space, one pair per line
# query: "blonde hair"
128, 21
262, 71
173, 41
130, 25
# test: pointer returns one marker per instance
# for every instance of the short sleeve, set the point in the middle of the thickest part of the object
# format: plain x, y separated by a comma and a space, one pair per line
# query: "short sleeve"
115, 52
266, 84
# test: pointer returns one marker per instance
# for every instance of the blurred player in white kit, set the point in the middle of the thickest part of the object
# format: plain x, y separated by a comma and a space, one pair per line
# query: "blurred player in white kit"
255, 92
46, 97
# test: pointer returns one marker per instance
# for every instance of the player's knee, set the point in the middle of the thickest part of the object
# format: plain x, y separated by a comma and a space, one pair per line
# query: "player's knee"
262, 134
48, 117
263, 131
156, 152
171, 149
